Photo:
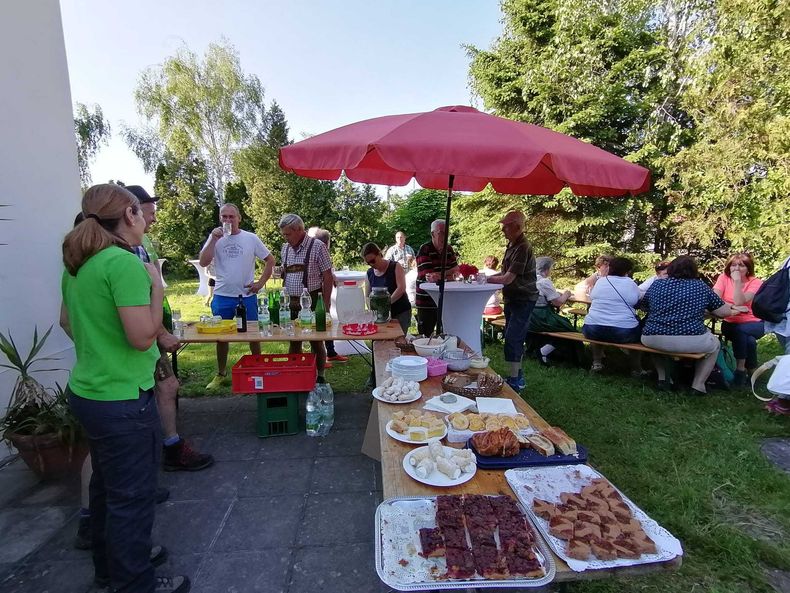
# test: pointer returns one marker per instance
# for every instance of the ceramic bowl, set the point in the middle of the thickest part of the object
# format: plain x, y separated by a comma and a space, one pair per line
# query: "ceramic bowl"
423, 348
479, 362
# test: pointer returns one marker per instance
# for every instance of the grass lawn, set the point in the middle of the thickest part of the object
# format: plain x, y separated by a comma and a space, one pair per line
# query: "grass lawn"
693, 464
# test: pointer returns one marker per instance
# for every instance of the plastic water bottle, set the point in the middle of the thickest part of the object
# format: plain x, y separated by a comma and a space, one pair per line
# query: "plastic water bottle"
313, 414
264, 319
285, 313
327, 408
305, 312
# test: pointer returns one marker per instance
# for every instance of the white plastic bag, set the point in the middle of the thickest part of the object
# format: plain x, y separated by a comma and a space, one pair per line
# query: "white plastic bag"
779, 383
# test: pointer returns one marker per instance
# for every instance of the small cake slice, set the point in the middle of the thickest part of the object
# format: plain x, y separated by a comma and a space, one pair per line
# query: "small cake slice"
561, 528
460, 563
611, 531
578, 549
644, 544
544, 508
603, 549
586, 531
431, 542
625, 548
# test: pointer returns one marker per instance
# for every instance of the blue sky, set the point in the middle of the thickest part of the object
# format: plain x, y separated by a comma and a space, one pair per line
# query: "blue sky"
327, 63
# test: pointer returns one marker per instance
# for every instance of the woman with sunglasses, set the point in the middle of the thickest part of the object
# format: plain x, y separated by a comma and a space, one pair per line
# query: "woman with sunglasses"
737, 286
388, 274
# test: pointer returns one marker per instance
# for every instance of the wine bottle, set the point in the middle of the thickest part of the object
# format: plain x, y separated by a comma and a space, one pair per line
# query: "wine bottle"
241, 315
320, 314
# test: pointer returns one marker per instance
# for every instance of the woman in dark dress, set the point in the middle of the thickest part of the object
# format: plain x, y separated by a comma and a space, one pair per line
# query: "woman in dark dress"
388, 274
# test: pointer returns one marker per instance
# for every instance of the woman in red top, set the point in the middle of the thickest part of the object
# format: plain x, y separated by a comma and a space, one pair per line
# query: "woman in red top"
737, 286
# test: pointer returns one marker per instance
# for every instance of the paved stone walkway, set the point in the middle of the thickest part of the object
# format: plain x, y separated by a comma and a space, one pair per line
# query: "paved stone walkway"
288, 514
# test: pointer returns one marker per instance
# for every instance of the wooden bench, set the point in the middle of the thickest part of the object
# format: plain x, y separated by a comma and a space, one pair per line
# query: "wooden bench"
578, 337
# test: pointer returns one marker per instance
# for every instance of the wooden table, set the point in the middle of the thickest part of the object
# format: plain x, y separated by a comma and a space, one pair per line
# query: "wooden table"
386, 331
397, 483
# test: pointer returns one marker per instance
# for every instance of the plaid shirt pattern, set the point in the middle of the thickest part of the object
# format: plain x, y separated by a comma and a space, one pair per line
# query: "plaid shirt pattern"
318, 264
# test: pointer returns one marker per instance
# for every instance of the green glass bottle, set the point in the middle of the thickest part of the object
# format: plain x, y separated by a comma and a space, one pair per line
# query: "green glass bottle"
274, 307
167, 315
320, 314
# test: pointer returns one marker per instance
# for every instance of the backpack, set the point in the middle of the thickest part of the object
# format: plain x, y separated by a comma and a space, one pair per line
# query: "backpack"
771, 299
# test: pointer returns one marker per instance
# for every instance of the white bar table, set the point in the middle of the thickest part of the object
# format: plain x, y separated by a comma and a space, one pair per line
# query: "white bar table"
203, 286
463, 308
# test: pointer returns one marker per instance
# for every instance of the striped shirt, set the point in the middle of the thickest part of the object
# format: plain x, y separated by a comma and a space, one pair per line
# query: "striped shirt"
317, 264
429, 259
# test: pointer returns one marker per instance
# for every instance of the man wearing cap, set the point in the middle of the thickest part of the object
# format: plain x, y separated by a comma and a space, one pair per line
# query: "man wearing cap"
178, 455
520, 293
429, 269
234, 258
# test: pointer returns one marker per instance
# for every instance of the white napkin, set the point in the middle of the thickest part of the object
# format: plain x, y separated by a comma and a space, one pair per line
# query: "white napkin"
495, 405
461, 404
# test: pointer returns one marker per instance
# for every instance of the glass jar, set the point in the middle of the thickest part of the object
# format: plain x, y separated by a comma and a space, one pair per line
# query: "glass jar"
380, 303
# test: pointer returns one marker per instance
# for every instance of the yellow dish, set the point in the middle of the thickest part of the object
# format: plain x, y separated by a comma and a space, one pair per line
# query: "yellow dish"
226, 326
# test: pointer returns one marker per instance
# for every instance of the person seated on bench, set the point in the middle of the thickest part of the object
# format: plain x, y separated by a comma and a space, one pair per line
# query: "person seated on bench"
611, 317
544, 316
661, 272
494, 304
583, 288
737, 286
675, 315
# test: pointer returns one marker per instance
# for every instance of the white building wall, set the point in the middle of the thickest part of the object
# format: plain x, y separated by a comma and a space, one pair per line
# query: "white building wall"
39, 178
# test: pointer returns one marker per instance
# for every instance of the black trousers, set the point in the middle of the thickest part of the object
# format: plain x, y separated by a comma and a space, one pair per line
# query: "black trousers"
126, 445
426, 320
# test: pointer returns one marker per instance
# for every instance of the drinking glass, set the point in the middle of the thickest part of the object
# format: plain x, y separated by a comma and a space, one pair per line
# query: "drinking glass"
458, 277
481, 278
227, 228
176, 314
277, 272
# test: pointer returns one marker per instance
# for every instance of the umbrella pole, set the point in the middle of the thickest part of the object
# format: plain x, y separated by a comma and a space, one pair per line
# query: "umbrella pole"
440, 307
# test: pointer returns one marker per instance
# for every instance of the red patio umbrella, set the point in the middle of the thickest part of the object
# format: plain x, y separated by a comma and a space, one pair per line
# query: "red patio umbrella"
462, 148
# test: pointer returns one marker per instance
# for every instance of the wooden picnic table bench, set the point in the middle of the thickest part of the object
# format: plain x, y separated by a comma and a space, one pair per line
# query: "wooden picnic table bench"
579, 337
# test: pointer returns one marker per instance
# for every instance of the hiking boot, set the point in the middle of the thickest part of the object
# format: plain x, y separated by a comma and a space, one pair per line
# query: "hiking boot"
82, 541
158, 558
182, 457
337, 358
218, 382
176, 584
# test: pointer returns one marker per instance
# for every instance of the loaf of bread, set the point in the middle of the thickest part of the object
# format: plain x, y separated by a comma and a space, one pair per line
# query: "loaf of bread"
562, 442
496, 443
541, 445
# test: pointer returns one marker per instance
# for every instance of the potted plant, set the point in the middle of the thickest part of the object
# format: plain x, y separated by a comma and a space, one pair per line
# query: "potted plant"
38, 422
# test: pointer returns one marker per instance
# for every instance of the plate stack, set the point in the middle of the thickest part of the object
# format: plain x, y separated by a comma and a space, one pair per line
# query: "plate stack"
410, 368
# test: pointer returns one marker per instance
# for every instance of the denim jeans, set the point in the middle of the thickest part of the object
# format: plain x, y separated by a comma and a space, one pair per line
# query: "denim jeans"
126, 445
744, 338
610, 333
516, 328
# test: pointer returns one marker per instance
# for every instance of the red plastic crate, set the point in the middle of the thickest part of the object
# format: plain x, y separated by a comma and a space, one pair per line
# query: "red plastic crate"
272, 373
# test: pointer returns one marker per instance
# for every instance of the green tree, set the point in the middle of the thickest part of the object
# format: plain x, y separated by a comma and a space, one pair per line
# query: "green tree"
359, 219
414, 213
205, 108
186, 213
92, 131
730, 190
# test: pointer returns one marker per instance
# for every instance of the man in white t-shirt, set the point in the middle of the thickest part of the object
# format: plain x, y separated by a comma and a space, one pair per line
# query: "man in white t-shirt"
234, 256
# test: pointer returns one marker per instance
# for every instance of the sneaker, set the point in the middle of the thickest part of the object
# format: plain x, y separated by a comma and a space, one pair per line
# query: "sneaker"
740, 379
158, 558
337, 358
182, 457
327, 365
82, 541
177, 584
596, 367
640, 374
218, 382
514, 384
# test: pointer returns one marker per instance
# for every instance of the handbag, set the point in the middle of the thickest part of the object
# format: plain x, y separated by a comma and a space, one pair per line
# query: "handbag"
771, 300
779, 383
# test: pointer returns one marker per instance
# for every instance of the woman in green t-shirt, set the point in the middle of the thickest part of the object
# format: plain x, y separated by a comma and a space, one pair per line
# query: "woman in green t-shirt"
112, 309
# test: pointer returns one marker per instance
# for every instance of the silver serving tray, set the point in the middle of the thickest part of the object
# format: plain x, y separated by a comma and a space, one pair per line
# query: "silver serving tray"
418, 512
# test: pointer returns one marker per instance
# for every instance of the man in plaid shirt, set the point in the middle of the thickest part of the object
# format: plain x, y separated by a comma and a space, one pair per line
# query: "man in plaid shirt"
306, 264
